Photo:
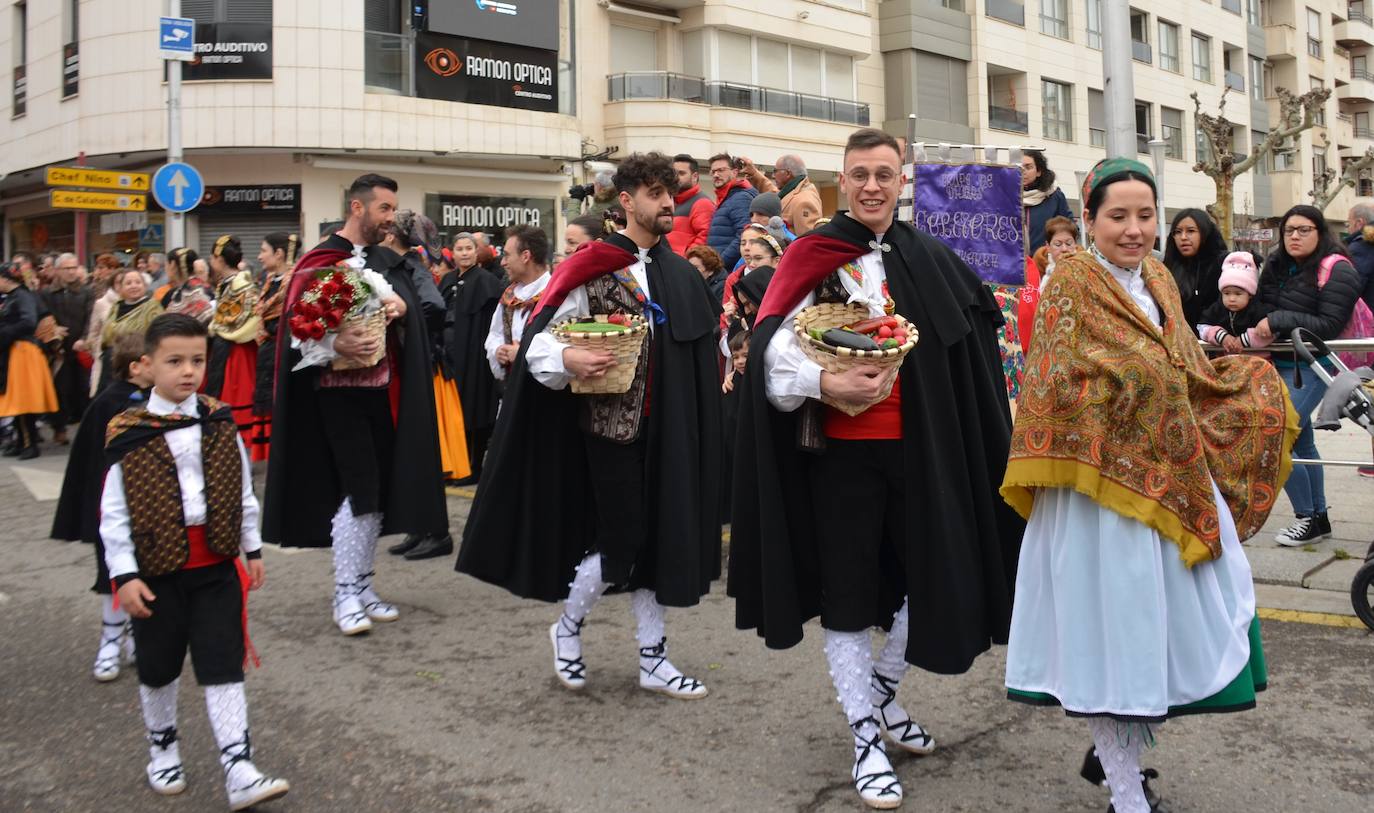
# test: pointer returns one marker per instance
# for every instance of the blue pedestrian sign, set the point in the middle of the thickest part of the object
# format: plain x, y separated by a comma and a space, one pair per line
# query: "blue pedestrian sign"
177, 187
151, 237
176, 38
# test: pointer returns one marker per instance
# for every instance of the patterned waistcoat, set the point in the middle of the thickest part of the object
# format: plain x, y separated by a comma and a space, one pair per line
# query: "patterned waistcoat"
153, 494
617, 417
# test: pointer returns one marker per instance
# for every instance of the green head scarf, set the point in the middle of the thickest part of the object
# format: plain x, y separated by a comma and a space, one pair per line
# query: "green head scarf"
1108, 167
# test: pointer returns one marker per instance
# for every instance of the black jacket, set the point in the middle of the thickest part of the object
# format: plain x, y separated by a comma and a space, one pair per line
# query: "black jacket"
1235, 323
1295, 300
19, 313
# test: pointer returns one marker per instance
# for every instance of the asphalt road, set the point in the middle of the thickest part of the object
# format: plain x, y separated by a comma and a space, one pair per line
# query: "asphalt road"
455, 707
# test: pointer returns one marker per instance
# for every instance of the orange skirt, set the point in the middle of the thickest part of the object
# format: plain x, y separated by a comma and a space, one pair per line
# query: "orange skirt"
453, 443
29, 390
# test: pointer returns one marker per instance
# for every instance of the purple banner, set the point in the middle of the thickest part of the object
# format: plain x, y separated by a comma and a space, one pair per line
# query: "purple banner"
975, 209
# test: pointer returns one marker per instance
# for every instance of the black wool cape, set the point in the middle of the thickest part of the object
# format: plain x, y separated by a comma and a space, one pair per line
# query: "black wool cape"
534, 517
303, 489
962, 540
471, 300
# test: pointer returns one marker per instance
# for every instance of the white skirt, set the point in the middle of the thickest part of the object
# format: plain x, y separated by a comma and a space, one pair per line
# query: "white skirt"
1108, 620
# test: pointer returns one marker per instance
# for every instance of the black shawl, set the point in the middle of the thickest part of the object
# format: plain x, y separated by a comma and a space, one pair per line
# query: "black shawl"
962, 540
78, 508
534, 516
471, 299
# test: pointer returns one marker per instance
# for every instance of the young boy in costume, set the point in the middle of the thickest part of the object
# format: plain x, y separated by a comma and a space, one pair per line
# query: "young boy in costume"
78, 509
177, 510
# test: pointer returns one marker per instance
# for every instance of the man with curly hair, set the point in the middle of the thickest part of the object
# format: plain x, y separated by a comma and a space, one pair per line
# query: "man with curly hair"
605, 490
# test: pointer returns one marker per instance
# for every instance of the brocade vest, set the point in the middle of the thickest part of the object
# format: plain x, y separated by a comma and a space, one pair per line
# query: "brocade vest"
617, 418
153, 494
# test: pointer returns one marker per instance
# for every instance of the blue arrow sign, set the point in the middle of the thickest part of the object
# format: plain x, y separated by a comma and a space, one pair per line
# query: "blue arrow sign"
177, 187
176, 38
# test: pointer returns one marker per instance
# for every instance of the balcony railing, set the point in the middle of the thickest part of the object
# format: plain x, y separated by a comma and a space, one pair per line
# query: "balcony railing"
680, 87
1314, 47
387, 61
1012, 11
1359, 16
1364, 132
1007, 118
1235, 81
1361, 73
1141, 52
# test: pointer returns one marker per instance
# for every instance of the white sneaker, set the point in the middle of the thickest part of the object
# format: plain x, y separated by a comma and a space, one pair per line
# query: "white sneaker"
107, 657
246, 786
165, 774
657, 674
874, 779
376, 609
351, 617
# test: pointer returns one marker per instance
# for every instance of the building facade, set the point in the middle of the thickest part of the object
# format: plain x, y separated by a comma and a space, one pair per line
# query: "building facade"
485, 125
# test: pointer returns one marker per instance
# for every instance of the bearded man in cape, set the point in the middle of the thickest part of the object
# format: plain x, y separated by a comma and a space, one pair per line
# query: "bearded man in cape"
891, 517
610, 490
355, 453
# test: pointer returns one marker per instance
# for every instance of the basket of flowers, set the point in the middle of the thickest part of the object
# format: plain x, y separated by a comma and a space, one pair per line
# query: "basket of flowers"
840, 337
620, 334
333, 299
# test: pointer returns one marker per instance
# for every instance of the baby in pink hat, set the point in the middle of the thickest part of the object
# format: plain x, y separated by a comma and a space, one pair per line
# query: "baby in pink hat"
1230, 321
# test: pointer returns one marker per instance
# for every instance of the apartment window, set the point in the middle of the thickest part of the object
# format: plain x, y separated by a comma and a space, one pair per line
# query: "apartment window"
1359, 67
1097, 118
1171, 130
1256, 78
1318, 165
633, 49
1144, 127
1202, 58
1318, 118
1252, 12
694, 53
1168, 47
956, 5
1140, 37
1203, 146
1011, 11
808, 68
768, 63
1261, 167
1314, 34
1362, 129
1366, 188
942, 87
736, 56
1094, 21
71, 49
1004, 112
1057, 101
1231, 58
1054, 18
20, 83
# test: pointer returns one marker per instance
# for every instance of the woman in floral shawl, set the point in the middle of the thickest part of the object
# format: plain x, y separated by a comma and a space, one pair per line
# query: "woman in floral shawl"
1139, 466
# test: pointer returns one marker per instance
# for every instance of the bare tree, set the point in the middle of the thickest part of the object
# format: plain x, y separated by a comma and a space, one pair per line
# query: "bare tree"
1324, 191
1222, 165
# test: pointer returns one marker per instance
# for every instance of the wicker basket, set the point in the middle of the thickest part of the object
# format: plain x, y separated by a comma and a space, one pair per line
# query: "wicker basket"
375, 325
625, 346
839, 359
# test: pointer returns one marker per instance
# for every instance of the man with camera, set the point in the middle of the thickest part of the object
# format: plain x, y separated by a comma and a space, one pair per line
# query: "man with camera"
733, 196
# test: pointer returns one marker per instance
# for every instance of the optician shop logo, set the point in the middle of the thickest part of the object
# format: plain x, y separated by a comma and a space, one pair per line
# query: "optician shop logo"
443, 62
497, 7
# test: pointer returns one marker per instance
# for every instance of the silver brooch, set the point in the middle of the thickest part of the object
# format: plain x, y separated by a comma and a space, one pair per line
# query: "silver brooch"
876, 246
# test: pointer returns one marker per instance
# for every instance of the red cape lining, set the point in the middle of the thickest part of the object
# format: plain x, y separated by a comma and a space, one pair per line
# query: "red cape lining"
803, 266
590, 261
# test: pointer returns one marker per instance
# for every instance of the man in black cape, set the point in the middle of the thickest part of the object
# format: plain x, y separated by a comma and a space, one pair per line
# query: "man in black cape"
892, 514
471, 296
355, 453
605, 490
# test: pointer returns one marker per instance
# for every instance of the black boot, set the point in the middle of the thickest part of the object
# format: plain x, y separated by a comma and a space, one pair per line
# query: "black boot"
431, 548
406, 545
28, 437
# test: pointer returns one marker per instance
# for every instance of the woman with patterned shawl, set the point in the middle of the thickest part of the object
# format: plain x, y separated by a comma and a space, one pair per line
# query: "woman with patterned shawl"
132, 313
1139, 466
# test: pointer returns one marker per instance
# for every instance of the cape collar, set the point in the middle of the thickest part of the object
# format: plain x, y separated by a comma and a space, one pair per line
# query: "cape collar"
591, 260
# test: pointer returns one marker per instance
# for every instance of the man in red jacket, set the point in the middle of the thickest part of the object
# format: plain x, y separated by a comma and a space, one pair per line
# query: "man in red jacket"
692, 208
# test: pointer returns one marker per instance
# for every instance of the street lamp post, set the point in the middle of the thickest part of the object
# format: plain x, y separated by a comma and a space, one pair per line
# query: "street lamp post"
1082, 176
1157, 147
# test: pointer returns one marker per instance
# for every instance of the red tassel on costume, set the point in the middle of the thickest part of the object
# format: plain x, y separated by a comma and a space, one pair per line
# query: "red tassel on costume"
249, 653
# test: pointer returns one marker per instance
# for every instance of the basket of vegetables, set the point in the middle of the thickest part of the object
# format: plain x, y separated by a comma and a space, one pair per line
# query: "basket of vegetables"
620, 334
839, 337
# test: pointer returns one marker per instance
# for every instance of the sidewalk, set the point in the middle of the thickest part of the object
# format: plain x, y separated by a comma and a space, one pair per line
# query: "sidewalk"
1316, 577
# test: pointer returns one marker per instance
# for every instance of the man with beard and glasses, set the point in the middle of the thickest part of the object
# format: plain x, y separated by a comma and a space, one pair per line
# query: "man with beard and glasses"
602, 490
355, 452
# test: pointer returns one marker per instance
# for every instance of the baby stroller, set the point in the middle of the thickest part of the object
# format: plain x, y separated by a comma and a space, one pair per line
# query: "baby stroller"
1357, 408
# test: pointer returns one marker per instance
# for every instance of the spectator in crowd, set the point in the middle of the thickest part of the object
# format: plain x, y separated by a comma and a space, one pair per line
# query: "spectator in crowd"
707, 263
582, 229
471, 294
1360, 246
1193, 254
140, 261
70, 302
157, 270
1062, 236
693, 208
764, 207
23, 261
487, 256
47, 270
733, 196
801, 201
26, 389
1040, 198
134, 311
1290, 287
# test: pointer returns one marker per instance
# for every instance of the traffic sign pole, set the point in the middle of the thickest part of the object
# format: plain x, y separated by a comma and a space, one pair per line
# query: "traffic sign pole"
176, 221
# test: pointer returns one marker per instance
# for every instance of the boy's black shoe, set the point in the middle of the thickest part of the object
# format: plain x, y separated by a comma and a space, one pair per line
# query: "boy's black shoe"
406, 545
